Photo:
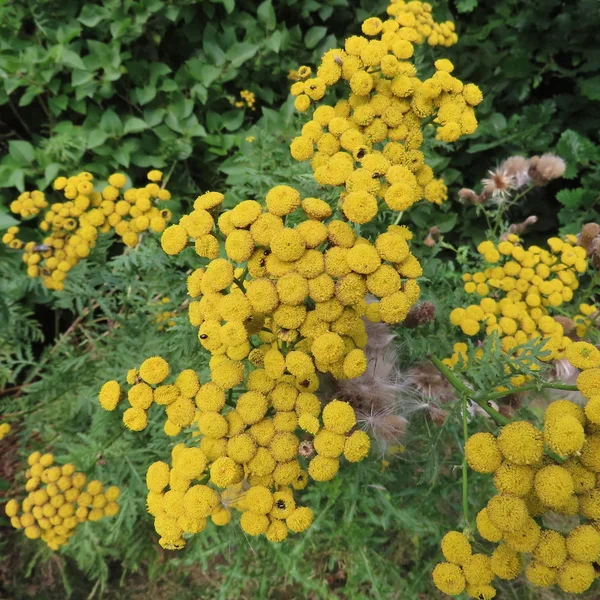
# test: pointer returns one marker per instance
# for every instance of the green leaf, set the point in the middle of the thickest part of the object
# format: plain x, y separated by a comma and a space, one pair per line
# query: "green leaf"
111, 124
145, 94
577, 198
465, 6
92, 14
72, 59
590, 88
202, 72
232, 119
27, 98
273, 42
266, 14
154, 116
577, 151
134, 125
22, 151
313, 36
96, 138
229, 5
50, 172
240, 52
81, 77
7, 221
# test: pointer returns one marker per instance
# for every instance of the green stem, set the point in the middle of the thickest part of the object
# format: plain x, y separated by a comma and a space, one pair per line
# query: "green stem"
460, 387
465, 482
398, 217
528, 388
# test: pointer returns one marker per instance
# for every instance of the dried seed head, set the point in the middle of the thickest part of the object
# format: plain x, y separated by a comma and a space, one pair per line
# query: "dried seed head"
545, 168
589, 232
420, 314
518, 168
498, 185
306, 449
519, 228
470, 197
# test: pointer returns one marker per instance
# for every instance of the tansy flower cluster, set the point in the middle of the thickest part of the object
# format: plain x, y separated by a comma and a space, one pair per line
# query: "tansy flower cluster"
58, 500
248, 99
531, 484
370, 142
29, 204
72, 226
301, 290
519, 290
5, 429
164, 319
586, 319
249, 456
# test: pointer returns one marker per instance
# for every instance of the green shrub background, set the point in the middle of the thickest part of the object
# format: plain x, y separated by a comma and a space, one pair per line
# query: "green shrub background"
132, 84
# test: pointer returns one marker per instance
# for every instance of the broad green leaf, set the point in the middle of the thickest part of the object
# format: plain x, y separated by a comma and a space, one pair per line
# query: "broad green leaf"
154, 116
30, 93
577, 151
145, 94
232, 119
134, 125
577, 198
273, 42
96, 138
81, 77
239, 53
92, 14
110, 123
72, 59
313, 36
229, 5
203, 72
266, 14
590, 88
7, 221
22, 151
465, 6
50, 172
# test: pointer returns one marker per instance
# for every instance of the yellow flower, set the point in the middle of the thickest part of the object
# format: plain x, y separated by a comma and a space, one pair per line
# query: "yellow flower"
588, 382
521, 443
583, 355
322, 468
338, 417
109, 395
576, 577
564, 435
251, 406
456, 548
540, 574
300, 520
174, 239
554, 486
135, 419
507, 513
449, 579
551, 549
477, 569
487, 530
482, 453
516, 480
154, 370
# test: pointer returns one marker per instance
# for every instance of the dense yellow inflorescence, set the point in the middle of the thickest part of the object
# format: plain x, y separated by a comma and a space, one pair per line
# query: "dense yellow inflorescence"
519, 290
59, 498
284, 290
249, 456
370, 141
72, 226
5, 429
530, 484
